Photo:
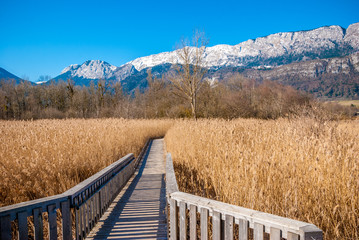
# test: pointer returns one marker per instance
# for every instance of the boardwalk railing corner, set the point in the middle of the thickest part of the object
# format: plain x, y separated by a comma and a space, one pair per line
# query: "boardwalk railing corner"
226, 218
87, 201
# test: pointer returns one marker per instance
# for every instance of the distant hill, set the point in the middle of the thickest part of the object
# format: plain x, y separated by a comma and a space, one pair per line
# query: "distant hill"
7, 76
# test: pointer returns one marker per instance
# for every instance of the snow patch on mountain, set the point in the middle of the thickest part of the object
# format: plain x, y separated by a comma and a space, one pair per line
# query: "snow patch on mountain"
72, 67
92, 69
352, 36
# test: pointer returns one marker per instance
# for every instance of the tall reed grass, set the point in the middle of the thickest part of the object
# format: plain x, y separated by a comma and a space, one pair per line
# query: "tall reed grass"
302, 169
47, 157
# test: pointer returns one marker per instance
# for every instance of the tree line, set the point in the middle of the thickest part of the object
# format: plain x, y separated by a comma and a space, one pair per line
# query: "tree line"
236, 97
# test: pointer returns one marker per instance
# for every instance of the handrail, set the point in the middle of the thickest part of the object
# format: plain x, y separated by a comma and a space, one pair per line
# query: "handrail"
171, 182
184, 208
96, 181
88, 200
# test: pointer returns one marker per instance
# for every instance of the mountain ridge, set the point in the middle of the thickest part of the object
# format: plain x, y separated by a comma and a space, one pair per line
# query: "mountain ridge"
253, 56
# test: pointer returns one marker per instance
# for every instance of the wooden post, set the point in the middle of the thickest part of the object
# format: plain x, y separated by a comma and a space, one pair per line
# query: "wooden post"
173, 219
275, 234
38, 224
51, 210
292, 236
243, 229
23, 230
193, 222
66, 220
204, 224
183, 221
258, 231
5, 228
216, 222
229, 227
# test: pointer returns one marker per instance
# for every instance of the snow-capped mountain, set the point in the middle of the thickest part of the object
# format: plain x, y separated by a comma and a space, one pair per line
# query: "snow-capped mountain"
92, 69
291, 46
262, 53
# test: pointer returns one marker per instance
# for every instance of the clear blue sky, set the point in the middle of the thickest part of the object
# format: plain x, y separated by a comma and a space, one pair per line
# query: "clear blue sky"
43, 37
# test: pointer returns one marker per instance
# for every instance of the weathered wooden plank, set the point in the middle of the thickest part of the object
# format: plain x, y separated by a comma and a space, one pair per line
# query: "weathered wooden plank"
23, 231
193, 222
204, 224
183, 221
258, 231
243, 229
229, 227
173, 219
66, 220
38, 224
5, 227
216, 222
275, 234
51, 210
292, 236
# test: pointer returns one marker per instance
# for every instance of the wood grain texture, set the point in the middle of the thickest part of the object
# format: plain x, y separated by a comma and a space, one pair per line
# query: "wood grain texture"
193, 222
275, 234
204, 224
242, 229
216, 222
229, 223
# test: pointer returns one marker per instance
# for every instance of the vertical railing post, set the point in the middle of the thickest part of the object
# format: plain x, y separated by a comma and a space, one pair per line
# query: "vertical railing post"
22, 224
66, 220
216, 223
229, 223
243, 229
38, 224
183, 221
5, 228
173, 219
258, 231
51, 210
204, 224
193, 222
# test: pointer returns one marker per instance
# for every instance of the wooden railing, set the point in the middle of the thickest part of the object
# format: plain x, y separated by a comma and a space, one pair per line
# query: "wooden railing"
86, 201
190, 214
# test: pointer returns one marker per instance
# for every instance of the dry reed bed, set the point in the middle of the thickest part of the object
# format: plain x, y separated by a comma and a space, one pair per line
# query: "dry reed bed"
47, 157
301, 169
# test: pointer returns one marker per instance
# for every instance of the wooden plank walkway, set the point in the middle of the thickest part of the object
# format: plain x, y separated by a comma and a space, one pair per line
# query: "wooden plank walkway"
138, 212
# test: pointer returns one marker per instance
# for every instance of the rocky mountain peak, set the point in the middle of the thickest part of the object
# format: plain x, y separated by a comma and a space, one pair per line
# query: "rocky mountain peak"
352, 36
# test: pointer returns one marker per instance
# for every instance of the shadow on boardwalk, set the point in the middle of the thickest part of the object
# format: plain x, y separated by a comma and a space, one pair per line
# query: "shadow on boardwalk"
138, 212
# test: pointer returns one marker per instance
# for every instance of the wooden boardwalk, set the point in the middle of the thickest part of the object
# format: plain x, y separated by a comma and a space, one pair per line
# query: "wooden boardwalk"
138, 212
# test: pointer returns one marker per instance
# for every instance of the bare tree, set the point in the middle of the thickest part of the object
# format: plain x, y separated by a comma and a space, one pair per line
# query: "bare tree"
190, 69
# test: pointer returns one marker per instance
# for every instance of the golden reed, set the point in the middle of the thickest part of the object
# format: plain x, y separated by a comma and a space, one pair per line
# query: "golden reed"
47, 157
302, 169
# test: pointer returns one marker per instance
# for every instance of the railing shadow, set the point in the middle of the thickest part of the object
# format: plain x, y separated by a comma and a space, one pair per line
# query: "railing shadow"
141, 217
